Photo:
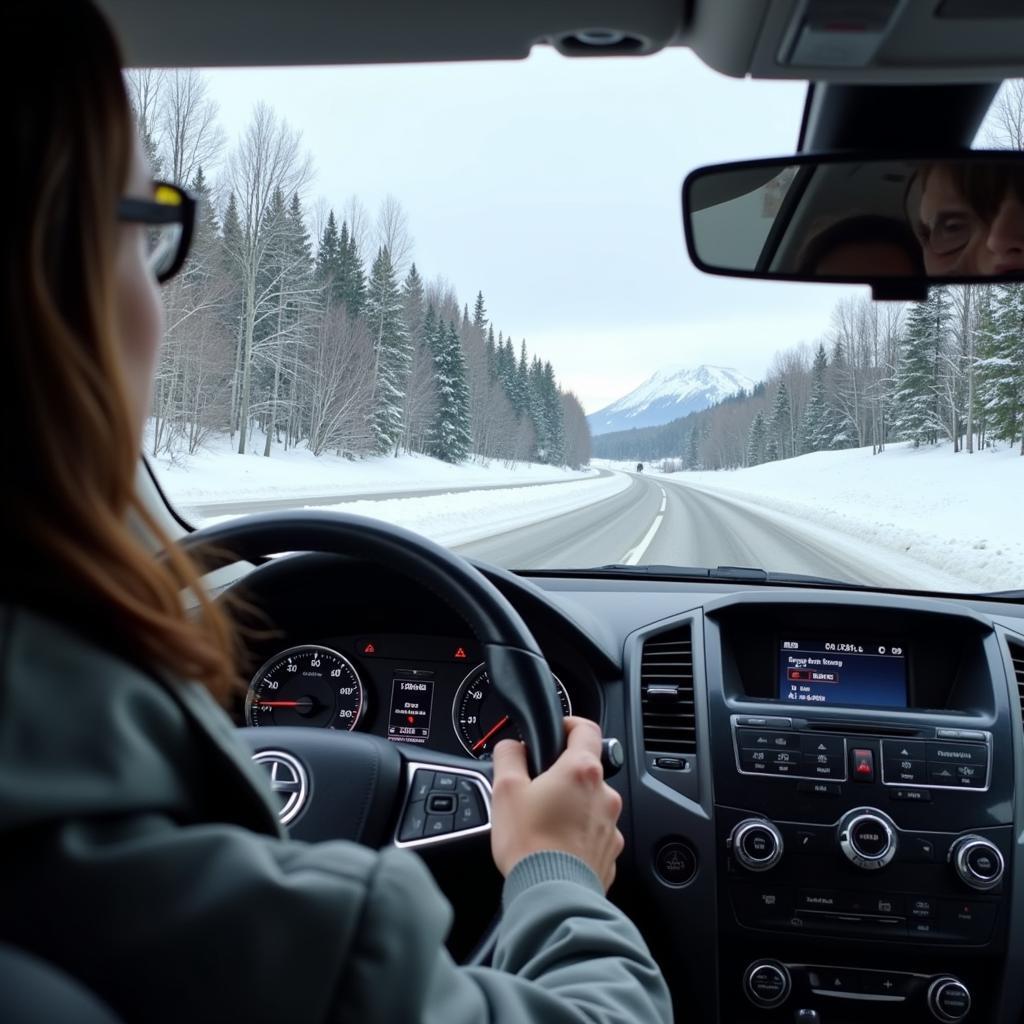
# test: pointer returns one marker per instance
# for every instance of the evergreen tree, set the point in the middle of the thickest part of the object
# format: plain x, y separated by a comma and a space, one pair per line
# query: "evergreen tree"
480, 313
554, 417
352, 284
756, 440
1001, 364
521, 383
692, 457
391, 353
921, 364
817, 433
449, 436
780, 426
328, 256
412, 301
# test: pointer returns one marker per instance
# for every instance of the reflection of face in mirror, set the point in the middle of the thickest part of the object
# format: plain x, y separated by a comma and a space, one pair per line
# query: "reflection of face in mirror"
970, 219
863, 246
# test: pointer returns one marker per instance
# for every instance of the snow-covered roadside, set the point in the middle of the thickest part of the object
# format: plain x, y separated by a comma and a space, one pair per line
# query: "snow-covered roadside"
961, 514
219, 474
466, 516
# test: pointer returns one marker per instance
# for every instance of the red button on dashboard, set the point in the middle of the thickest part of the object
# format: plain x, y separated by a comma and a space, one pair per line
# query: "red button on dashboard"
863, 765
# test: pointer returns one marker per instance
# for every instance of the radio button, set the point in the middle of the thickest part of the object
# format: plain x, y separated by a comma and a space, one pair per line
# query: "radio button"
762, 904
825, 746
914, 796
903, 750
883, 983
906, 771
821, 767
971, 774
922, 908
942, 775
967, 920
817, 899
758, 739
957, 753
831, 789
918, 850
867, 838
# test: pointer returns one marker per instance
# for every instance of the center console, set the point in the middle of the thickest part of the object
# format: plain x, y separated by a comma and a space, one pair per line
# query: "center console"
863, 816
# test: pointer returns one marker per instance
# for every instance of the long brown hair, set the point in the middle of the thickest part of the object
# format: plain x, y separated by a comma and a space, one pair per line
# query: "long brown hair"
70, 511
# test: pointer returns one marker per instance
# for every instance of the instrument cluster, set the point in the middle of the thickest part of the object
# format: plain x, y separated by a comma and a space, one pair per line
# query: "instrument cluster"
409, 688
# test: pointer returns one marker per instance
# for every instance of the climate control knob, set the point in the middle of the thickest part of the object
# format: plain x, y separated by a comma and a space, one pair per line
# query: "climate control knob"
756, 844
978, 862
867, 838
948, 999
767, 983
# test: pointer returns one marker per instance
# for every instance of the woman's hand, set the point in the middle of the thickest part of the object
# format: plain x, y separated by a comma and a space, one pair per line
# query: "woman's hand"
569, 807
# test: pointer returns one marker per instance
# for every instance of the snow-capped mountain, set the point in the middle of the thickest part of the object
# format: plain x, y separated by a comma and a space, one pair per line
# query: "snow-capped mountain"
668, 394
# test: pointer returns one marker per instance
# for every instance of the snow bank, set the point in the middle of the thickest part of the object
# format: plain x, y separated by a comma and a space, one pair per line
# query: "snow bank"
219, 474
961, 514
465, 516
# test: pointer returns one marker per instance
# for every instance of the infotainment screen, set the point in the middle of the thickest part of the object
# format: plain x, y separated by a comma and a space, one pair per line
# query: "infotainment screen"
843, 672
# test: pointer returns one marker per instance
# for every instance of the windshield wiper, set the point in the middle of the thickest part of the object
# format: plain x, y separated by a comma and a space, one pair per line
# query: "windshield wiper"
731, 573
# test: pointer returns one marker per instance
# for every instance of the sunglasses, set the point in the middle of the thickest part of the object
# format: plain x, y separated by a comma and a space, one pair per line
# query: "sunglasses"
169, 217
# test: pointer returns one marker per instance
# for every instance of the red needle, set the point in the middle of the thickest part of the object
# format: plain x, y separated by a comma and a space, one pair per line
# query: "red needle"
278, 703
500, 724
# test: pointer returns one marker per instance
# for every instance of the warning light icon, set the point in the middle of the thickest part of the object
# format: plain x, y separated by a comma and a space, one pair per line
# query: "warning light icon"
411, 719
460, 653
369, 649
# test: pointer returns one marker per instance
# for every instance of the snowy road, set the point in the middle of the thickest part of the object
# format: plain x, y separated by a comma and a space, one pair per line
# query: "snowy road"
248, 506
662, 521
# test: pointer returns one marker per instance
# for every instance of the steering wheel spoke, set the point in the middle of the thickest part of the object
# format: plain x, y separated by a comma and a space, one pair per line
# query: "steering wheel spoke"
443, 802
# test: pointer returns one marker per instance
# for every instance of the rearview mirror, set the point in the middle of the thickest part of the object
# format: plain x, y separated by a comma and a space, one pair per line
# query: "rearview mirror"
896, 224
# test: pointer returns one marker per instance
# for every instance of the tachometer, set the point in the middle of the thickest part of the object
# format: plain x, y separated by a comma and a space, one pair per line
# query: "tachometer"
481, 717
306, 685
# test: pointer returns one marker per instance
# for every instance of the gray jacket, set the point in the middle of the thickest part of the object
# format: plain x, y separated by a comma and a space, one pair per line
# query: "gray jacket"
140, 850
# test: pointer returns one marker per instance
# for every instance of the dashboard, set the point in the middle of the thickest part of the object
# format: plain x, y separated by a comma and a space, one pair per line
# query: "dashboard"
823, 790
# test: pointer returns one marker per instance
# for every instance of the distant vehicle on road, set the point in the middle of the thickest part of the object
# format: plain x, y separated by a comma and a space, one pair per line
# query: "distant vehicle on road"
639, 467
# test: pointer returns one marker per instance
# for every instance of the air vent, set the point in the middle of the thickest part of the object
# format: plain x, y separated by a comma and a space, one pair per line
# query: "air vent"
666, 693
1017, 655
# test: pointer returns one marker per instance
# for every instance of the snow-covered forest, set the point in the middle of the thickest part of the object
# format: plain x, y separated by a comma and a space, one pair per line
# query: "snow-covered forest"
947, 369
305, 322
950, 369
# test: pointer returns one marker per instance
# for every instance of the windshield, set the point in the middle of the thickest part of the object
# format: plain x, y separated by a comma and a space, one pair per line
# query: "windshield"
456, 298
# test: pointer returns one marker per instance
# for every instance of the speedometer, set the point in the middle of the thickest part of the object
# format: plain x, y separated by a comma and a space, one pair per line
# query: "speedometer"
306, 685
481, 717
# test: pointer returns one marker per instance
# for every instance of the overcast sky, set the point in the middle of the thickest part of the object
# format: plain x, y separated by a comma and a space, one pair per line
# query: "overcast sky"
552, 185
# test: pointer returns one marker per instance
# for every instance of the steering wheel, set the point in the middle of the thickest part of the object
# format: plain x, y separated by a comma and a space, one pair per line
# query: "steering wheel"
390, 789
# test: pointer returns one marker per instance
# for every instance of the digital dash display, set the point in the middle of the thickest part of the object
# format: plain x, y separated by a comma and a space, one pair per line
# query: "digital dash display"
858, 672
411, 701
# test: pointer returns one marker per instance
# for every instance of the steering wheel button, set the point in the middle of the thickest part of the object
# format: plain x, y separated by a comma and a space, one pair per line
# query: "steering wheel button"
469, 814
421, 784
444, 782
441, 803
438, 825
413, 822
465, 788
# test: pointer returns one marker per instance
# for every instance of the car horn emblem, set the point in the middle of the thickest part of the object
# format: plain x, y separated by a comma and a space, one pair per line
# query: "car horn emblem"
287, 780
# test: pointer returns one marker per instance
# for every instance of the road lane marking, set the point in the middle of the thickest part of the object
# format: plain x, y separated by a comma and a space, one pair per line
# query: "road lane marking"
633, 556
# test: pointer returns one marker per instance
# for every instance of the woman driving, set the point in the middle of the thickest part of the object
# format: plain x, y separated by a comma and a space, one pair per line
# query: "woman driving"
141, 847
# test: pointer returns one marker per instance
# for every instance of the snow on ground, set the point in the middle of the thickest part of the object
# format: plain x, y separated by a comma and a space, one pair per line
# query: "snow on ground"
219, 474
961, 514
465, 516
